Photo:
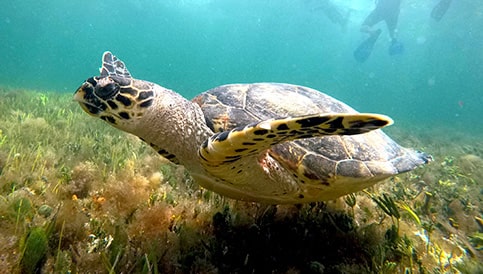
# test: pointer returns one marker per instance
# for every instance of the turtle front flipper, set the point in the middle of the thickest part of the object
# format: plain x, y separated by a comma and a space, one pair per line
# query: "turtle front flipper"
229, 146
243, 169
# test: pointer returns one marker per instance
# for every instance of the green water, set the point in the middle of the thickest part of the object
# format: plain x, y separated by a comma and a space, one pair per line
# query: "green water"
193, 45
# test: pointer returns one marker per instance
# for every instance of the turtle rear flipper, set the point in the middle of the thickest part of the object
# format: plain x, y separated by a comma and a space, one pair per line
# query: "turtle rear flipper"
227, 147
113, 66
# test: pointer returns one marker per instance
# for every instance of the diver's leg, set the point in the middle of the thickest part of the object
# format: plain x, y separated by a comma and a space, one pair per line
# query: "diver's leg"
391, 23
364, 50
440, 9
373, 18
396, 47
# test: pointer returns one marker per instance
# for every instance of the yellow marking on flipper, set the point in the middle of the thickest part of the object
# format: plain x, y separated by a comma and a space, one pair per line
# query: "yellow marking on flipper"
230, 146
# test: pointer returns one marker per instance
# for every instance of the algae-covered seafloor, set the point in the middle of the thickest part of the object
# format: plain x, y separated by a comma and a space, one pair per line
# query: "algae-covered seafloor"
79, 196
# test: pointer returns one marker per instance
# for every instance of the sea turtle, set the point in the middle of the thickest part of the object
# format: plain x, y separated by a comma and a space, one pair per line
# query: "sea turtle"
265, 142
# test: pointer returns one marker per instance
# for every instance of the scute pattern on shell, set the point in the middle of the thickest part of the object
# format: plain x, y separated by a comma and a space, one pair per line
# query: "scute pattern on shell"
316, 159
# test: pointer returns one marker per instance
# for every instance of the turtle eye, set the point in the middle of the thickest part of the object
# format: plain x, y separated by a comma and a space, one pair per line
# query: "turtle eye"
107, 91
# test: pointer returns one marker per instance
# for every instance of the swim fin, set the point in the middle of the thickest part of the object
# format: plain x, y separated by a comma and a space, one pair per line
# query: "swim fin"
396, 47
440, 9
364, 50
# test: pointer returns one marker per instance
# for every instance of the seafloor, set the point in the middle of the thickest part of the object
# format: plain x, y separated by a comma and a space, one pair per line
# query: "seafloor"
79, 196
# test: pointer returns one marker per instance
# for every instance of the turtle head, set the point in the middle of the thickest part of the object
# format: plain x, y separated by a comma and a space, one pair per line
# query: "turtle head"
115, 96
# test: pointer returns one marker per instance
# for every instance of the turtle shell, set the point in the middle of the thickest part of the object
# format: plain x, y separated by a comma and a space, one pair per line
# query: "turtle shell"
320, 159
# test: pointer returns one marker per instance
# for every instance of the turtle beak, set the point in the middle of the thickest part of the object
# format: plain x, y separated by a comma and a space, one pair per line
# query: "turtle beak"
79, 94
84, 96
85, 91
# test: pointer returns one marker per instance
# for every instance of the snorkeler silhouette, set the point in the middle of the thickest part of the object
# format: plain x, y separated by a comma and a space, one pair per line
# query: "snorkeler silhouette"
387, 11
333, 13
440, 9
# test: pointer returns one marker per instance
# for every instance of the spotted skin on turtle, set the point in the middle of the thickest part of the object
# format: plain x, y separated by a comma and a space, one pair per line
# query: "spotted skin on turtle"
265, 142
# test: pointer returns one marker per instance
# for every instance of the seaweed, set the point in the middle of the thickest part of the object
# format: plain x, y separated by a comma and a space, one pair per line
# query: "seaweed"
78, 196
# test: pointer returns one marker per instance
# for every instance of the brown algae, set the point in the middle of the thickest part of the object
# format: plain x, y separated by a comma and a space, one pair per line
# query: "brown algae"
79, 196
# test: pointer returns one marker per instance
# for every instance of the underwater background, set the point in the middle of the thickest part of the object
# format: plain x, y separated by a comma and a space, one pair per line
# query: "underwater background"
194, 45
79, 196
